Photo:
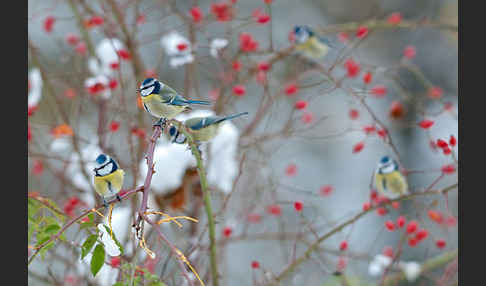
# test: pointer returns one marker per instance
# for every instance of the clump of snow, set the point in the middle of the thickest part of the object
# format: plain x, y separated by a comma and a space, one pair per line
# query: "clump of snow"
178, 48
380, 262
216, 45
35, 91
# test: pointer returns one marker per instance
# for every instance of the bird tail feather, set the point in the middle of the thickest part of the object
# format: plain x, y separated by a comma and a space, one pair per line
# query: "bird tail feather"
203, 102
233, 116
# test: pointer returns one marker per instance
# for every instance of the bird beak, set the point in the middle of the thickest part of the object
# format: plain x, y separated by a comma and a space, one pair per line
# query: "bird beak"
138, 89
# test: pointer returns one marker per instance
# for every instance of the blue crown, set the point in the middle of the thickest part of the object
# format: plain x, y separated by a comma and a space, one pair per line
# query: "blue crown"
385, 159
101, 159
172, 131
147, 80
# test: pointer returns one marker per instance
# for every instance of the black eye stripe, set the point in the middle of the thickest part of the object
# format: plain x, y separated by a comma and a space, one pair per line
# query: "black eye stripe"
147, 86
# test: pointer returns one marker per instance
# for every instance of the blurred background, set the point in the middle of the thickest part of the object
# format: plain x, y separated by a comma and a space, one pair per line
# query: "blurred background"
80, 106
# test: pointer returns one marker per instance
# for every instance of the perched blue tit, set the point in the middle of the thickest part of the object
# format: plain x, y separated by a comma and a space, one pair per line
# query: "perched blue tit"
388, 179
108, 178
310, 44
162, 101
202, 129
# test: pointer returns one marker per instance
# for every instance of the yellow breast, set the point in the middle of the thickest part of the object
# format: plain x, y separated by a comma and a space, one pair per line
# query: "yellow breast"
391, 185
313, 48
157, 108
110, 184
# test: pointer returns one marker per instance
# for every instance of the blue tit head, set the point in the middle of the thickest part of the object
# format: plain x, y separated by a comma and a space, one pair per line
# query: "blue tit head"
302, 34
387, 165
104, 165
176, 136
149, 86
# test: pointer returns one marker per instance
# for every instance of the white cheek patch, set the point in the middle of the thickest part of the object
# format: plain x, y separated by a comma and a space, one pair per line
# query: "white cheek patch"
302, 38
106, 169
180, 139
147, 91
388, 169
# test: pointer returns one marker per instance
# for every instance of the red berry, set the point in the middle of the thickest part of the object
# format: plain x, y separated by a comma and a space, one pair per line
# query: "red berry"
366, 206
38, 168
115, 262
124, 54
261, 77
353, 114
412, 241
325, 190
343, 245
388, 251
182, 46
426, 123
227, 231
236, 66
113, 83
196, 14
409, 52
451, 221
448, 169
378, 91
381, 211
452, 141
291, 89
49, 24
72, 39
440, 243
247, 43
239, 90
81, 48
95, 21
301, 104
412, 226
369, 129
395, 205
362, 32
222, 11
447, 151
395, 18
263, 66
390, 225
401, 221
352, 68
396, 110
441, 143
255, 265
291, 170
435, 92
435, 216
374, 196
307, 117
358, 147
367, 78
275, 210
382, 133
298, 206
421, 234
342, 262
114, 126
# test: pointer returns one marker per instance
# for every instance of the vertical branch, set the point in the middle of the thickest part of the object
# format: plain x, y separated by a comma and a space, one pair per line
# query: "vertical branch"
207, 203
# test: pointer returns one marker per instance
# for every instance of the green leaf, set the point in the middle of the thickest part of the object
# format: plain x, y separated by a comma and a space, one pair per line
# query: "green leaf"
118, 284
42, 252
98, 259
116, 240
52, 229
88, 244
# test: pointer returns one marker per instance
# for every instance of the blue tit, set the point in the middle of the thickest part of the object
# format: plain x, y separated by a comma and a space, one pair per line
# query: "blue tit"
163, 102
388, 179
202, 129
309, 44
108, 178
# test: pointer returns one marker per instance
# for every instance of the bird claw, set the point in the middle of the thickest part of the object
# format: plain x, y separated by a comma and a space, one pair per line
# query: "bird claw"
161, 123
118, 197
105, 203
